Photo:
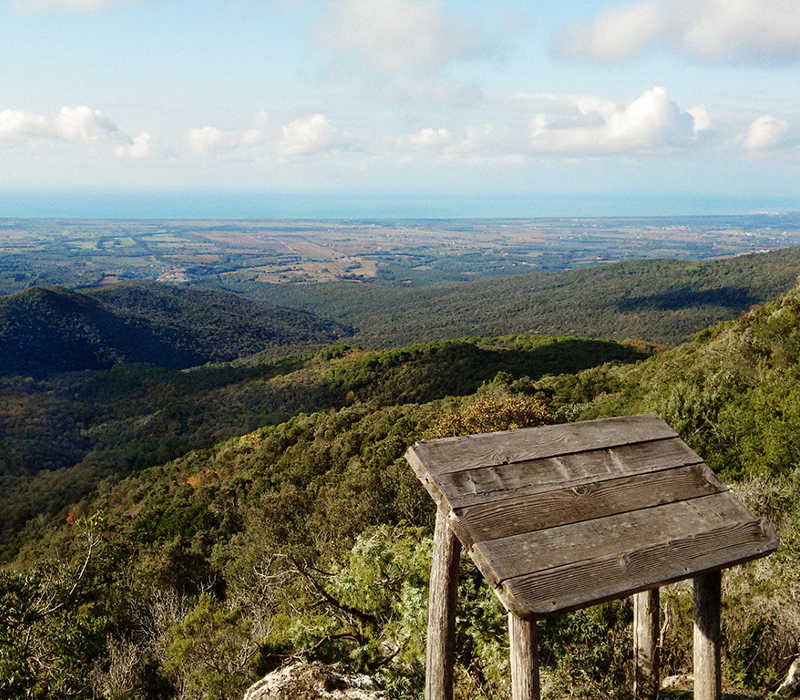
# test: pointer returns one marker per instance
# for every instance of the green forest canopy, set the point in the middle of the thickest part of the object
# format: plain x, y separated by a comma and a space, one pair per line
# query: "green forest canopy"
210, 569
664, 301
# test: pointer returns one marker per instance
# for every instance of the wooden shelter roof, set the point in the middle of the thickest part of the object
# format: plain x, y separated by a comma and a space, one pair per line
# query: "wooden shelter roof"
564, 516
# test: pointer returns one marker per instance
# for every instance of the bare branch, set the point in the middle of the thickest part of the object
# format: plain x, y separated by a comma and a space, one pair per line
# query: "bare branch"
92, 540
318, 587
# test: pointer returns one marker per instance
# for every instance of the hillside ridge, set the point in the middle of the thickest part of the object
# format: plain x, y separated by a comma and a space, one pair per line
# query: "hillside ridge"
663, 301
308, 536
47, 330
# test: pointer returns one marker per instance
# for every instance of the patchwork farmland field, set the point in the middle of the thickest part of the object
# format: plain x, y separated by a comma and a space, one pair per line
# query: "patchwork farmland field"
84, 254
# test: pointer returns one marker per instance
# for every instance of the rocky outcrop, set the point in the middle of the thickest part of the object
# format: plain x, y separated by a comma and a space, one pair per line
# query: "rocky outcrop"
791, 684
310, 681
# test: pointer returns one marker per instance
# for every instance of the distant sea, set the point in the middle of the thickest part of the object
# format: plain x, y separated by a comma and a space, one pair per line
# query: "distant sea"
84, 204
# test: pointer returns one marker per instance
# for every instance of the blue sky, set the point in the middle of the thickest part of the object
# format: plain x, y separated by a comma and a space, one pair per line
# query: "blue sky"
694, 98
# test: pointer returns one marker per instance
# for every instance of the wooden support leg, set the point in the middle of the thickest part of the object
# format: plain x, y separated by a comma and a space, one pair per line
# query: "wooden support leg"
646, 681
707, 607
524, 658
440, 650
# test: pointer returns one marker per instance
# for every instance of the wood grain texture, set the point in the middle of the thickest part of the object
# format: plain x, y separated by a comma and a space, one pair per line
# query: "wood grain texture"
524, 651
440, 649
487, 484
560, 517
421, 472
646, 680
584, 583
707, 611
512, 516
509, 446
615, 535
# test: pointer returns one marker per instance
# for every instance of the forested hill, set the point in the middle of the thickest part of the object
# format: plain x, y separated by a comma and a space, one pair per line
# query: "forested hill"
44, 331
665, 301
311, 538
733, 393
61, 436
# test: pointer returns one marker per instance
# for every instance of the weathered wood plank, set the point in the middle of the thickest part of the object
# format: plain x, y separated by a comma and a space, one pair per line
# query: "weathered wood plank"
475, 486
707, 610
560, 517
421, 472
646, 681
472, 451
583, 583
615, 535
524, 653
521, 514
440, 649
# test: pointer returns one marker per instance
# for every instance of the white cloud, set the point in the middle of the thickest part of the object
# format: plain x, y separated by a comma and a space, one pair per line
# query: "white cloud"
74, 124
481, 143
394, 34
652, 122
251, 137
702, 122
206, 139
567, 126
15, 124
80, 125
750, 31
305, 135
140, 147
617, 33
83, 125
209, 139
766, 133
68, 5
429, 138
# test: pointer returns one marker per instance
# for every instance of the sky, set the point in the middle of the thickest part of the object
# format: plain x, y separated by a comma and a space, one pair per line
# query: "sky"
491, 108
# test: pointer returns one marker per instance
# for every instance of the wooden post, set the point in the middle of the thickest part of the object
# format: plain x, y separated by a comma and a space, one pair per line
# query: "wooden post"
524, 658
440, 651
707, 608
646, 681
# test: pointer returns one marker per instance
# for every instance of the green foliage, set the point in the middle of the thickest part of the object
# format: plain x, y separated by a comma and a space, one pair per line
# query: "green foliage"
485, 414
52, 629
310, 538
243, 534
44, 331
587, 653
481, 637
732, 393
377, 594
90, 426
210, 652
665, 301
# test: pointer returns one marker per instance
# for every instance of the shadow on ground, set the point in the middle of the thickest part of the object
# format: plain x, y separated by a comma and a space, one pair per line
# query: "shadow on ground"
685, 297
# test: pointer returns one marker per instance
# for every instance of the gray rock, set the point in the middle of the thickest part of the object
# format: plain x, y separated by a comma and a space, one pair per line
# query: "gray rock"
310, 681
791, 684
